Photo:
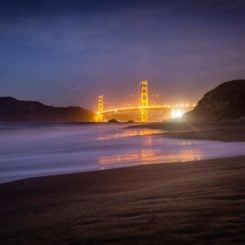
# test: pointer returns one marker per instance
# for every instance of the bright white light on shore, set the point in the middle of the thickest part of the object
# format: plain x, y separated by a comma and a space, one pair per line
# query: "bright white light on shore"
177, 113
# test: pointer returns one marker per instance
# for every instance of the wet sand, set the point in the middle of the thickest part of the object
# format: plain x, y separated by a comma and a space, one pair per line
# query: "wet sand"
221, 131
183, 203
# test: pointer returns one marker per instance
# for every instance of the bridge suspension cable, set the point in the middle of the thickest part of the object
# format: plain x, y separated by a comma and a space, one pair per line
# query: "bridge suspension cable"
154, 95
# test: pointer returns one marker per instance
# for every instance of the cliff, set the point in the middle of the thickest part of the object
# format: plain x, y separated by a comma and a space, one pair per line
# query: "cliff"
227, 101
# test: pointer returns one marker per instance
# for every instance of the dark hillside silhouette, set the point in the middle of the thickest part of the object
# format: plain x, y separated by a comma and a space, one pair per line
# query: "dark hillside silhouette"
13, 110
227, 101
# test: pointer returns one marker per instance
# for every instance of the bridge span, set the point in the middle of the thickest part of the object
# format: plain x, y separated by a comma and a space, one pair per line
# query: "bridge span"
144, 112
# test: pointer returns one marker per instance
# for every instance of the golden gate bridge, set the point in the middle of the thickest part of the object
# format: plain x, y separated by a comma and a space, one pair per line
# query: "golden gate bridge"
142, 111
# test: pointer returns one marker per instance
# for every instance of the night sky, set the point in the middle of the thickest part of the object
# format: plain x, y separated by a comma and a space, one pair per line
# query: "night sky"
68, 52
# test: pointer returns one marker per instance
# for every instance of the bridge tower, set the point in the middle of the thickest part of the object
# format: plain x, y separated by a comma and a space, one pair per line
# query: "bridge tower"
100, 109
144, 102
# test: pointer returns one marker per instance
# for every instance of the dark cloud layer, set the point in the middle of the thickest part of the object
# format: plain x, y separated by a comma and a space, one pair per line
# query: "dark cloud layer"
68, 52
11, 8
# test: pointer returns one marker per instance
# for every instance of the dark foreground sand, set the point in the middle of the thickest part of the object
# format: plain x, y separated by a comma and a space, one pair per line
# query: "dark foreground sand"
185, 203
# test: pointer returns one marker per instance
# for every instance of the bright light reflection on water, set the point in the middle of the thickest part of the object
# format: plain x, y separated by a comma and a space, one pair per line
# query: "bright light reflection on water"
56, 149
151, 156
130, 133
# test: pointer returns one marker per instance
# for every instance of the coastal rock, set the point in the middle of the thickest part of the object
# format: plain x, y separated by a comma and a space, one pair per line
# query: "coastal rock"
113, 121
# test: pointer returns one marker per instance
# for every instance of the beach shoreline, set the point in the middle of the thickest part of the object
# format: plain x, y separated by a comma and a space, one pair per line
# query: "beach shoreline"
229, 131
192, 202
197, 202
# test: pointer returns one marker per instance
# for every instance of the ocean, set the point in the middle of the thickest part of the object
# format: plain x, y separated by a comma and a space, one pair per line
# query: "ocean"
28, 150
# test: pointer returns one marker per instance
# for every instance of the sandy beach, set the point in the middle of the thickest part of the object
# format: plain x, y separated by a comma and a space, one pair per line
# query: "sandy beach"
186, 203
200, 202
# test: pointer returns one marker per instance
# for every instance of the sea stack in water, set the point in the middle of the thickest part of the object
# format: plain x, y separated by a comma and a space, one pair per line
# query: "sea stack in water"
225, 102
113, 121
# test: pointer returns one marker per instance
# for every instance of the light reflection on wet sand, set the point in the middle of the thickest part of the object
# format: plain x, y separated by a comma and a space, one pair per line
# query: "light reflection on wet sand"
59, 149
131, 133
148, 155
151, 156
154, 148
